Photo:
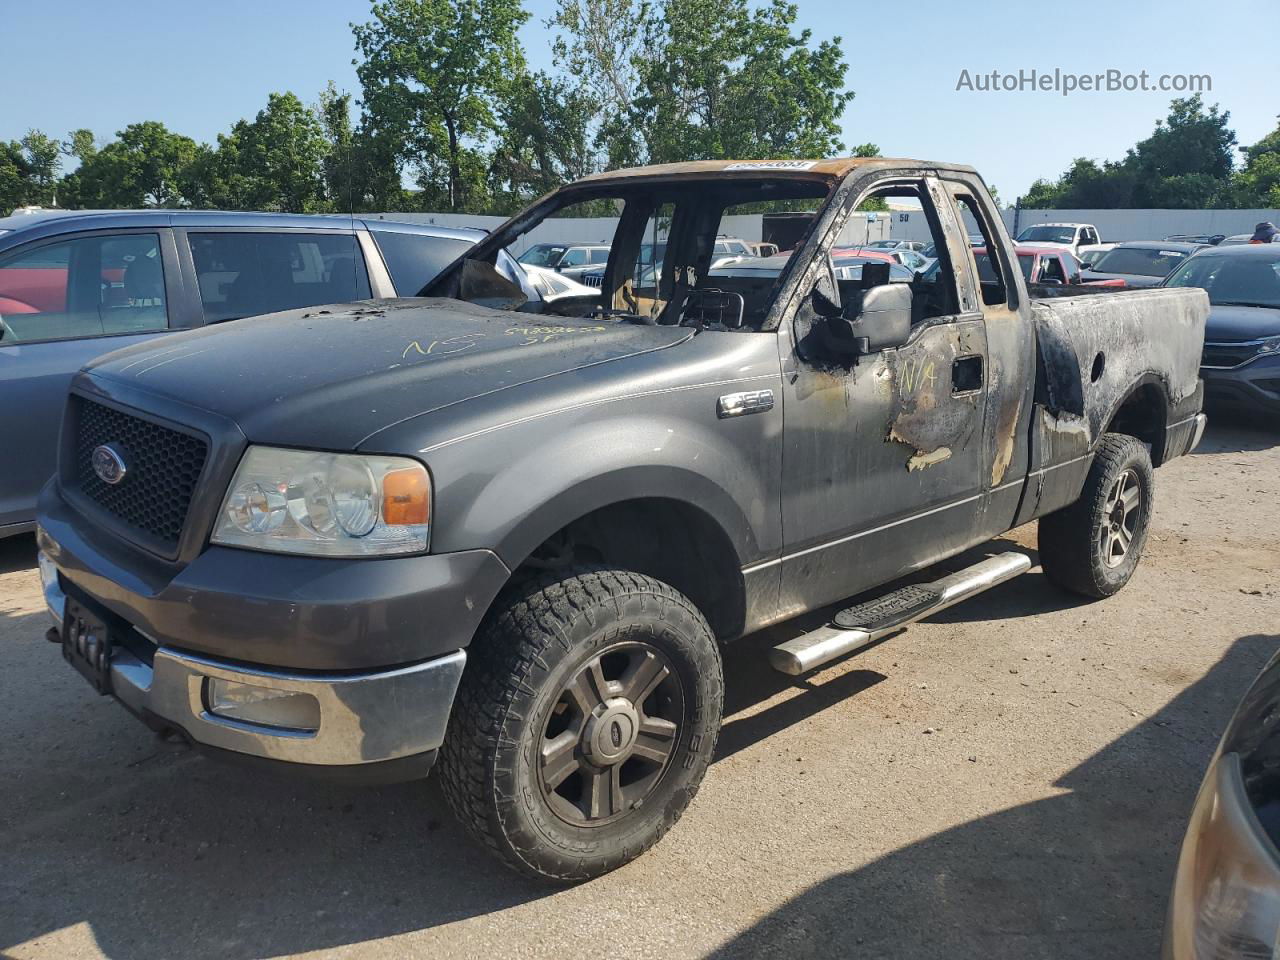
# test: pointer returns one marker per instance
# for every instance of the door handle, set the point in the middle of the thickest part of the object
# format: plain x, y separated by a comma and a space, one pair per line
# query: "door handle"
966, 374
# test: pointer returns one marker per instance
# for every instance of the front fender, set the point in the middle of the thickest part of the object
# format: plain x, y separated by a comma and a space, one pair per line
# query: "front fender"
568, 466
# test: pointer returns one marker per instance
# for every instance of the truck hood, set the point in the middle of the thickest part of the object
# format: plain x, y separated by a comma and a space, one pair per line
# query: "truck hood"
331, 376
1227, 323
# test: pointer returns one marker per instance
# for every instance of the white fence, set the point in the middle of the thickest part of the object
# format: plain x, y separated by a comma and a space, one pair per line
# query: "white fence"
1113, 225
862, 228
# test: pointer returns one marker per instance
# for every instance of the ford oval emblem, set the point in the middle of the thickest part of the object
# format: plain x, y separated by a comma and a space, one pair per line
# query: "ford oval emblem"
108, 464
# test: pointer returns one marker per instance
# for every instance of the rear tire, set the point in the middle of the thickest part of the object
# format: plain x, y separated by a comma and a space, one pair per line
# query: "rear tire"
586, 717
1093, 546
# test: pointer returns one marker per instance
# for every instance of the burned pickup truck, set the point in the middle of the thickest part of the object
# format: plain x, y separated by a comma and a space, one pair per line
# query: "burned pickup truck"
519, 537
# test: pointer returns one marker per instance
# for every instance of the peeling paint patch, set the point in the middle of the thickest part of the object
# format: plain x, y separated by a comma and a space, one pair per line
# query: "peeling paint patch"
922, 461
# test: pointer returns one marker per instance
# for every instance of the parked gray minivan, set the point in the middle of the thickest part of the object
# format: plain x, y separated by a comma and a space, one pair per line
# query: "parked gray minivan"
75, 284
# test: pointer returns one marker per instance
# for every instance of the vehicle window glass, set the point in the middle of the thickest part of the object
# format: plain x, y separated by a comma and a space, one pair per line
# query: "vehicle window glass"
246, 274
1051, 269
84, 287
1073, 267
576, 257
994, 289
599, 255
1026, 263
415, 259
934, 292
1047, 234
1244, 281
543, 255
1143, 261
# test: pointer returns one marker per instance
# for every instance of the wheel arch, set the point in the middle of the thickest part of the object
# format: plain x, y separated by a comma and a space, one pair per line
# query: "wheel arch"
681, 533
1142, 412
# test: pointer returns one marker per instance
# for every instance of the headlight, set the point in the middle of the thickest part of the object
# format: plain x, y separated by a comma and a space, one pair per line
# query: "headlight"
328, 504
1226, 897
1270, 345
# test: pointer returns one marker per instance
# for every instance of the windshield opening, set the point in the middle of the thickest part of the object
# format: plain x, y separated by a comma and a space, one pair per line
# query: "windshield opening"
653, 253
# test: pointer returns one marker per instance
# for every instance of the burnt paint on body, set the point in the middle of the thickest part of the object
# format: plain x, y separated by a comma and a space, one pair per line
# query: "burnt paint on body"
926, 415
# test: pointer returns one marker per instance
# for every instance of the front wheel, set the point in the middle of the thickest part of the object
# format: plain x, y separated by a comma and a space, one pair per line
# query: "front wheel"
1093, 546
585, 720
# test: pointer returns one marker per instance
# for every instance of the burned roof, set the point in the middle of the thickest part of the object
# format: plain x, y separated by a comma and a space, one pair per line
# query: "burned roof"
831, 169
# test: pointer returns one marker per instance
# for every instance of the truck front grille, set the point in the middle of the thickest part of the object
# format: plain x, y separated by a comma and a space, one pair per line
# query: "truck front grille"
1226, 355
162, 469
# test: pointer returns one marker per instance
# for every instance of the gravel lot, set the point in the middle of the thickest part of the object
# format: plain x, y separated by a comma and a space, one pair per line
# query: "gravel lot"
1008, 779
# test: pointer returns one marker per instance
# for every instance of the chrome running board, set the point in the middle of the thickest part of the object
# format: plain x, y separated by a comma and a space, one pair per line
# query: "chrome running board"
869, 622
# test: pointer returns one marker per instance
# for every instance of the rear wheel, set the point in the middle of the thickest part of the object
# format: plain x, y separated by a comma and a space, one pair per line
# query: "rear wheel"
585, 721
1093, 546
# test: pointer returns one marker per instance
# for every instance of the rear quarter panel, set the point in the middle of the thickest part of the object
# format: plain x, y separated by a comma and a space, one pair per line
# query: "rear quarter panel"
1094, 352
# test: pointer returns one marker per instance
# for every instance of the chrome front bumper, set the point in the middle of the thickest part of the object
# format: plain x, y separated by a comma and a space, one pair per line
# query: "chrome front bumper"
364, 717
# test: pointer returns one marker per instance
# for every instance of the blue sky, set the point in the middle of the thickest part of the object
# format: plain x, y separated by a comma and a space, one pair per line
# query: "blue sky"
200, 66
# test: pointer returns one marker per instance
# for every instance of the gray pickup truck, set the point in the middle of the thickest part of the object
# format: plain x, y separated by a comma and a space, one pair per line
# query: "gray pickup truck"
519, 536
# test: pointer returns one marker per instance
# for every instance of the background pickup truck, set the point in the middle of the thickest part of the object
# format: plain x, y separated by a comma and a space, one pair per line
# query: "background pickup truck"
521, 535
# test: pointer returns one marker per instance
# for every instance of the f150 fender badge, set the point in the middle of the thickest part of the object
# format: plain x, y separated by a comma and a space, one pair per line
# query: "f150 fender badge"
108, 464
740, 404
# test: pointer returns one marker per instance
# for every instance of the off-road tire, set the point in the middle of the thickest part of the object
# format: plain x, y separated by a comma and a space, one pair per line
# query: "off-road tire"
1073, 551
535, 641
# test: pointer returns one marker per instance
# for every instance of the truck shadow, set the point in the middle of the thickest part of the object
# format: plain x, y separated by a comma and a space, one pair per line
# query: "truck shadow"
1079, 875
749, 680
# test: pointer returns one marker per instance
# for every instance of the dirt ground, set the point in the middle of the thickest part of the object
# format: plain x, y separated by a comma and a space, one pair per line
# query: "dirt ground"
1008, 779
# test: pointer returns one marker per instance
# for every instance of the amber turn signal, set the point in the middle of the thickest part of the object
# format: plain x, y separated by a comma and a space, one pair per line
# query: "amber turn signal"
406, 497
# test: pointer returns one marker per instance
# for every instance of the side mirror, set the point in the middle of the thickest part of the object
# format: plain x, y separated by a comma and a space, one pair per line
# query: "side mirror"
880, 322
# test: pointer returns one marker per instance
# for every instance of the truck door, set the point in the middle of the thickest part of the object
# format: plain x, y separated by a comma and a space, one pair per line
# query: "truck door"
1002, 298
883, 464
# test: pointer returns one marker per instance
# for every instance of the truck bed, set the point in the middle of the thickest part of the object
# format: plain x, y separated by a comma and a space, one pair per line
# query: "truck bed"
1095, 349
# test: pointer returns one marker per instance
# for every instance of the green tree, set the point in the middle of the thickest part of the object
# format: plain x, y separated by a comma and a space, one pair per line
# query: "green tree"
699, 79
1185, 163
15, 177
279, 157
43, 155
605, 45
80, 145
432, 71
145, 166
736, 82
1258, 184
545, 141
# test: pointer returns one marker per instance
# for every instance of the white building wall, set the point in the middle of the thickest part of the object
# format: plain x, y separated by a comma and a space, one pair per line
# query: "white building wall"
1113, 225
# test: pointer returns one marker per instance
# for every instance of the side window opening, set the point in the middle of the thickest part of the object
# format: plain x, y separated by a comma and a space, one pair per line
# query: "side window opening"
992, 278
933, 283
662, 264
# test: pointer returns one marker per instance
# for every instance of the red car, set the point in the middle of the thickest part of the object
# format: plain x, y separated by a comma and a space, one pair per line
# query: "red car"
866, 253
1051, 265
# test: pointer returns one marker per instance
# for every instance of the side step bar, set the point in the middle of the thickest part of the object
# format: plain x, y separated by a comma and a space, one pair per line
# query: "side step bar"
865, 623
